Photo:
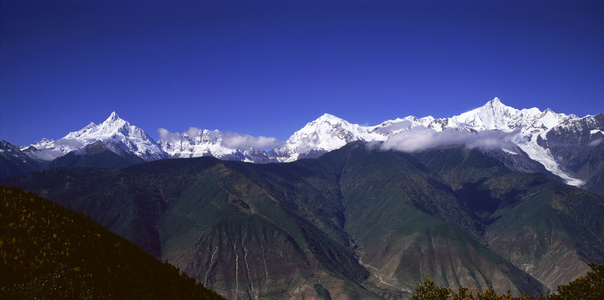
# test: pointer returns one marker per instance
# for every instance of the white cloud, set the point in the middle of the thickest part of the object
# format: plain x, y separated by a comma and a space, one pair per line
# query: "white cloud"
229, 139
245, 141
167, 136
194, 131
47, 154
418, 139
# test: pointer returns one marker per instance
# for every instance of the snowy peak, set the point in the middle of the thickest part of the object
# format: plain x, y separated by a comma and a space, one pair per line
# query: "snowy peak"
324, 124
112, 118
495, 115
492, 116
533, 132
328, 132
194, 142
398, 125
324, 134
113, 130
524, 128
496, 108
114, 121
112, 126
197, 142
549, 119
328, 119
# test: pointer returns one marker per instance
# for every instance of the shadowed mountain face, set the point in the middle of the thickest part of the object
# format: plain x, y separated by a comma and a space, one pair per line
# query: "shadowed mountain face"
355, 222
547, 229
582, 150
13, 162
105, 155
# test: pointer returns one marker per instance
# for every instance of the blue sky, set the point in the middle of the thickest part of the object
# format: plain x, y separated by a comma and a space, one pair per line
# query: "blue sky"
269, 67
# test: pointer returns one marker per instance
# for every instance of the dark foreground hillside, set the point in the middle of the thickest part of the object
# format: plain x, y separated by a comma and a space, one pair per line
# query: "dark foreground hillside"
50, 252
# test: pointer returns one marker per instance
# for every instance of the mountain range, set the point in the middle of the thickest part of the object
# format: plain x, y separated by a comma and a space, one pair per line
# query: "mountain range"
493, 197
358, 222
566, 147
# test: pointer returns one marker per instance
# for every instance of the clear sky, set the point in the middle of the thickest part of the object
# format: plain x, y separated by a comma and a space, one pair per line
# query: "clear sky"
269, 67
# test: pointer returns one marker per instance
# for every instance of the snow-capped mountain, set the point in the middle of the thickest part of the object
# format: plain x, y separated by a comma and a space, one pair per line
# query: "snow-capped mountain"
195, 143
526, 132
14, 162
117, 135
495, 116
328, 132
530, 125
527, 140
202, 142
322, 135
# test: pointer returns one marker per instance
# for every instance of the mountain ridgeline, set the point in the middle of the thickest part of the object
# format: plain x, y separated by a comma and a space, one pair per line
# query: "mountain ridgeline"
358, 222
562, 146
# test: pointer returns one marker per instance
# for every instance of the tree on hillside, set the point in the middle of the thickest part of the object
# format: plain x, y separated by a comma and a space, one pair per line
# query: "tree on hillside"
427, 290
589, 287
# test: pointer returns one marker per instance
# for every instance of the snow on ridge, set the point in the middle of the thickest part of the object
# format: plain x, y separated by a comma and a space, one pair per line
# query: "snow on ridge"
525, 126
327, 133
492, 116
497, 116
531, 123
197, 142
595, 131
112, 130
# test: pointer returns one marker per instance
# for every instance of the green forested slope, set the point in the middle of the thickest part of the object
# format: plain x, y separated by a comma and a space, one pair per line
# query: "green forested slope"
50, 252
549, 229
